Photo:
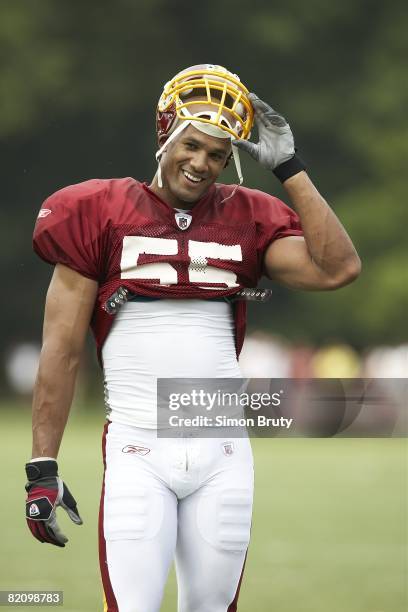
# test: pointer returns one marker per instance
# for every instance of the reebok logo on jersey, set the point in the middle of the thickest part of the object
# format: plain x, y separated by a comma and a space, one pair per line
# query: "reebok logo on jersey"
34, 510
44, 212
135, 450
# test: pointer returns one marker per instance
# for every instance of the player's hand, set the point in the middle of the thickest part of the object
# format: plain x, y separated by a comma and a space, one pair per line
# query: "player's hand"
45, 492
276, 144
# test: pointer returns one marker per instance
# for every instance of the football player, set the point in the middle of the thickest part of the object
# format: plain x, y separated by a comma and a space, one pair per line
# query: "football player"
154, 269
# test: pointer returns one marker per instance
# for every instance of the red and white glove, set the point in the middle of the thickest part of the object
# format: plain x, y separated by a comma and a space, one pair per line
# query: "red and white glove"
45, 492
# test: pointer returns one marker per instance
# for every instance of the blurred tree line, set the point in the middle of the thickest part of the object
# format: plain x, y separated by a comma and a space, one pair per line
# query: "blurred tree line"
79, 84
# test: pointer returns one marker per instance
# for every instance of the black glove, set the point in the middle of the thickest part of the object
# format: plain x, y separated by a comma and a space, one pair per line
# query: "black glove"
46, 492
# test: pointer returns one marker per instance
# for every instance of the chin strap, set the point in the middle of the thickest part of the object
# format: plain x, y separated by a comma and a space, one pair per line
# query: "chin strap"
162, 149
237, 160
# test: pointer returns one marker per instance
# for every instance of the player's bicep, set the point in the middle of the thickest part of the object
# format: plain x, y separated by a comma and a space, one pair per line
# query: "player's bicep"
68, 309
288, 262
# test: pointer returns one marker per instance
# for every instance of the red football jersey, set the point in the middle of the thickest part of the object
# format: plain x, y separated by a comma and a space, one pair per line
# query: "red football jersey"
121, 234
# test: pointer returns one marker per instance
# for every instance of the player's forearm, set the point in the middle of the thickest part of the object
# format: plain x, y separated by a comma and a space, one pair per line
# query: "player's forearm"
52, 399
327, 241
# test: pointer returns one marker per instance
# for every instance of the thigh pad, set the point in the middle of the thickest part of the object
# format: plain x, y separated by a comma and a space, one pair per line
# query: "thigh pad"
133, 507
224, 518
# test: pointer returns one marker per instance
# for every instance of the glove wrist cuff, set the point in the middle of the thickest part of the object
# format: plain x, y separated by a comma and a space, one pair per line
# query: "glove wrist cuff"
289, 168
41, 469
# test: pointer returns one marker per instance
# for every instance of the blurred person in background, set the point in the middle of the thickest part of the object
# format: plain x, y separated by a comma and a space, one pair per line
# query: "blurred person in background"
336, 361
262, 354
160, 272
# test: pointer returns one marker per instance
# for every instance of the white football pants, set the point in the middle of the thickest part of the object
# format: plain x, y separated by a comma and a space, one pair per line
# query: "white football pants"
186, 498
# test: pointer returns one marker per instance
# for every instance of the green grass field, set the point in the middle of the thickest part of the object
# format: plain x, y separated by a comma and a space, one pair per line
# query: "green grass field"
329, 531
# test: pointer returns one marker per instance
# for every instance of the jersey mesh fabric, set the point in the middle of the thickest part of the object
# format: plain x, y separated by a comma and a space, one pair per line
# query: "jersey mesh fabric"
89, 222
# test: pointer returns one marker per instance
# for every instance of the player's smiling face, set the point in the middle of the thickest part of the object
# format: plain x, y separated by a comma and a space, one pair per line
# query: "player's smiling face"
190, 165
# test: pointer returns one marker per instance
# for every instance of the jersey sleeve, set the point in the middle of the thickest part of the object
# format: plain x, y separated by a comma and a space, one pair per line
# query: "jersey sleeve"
274, 220
69, 228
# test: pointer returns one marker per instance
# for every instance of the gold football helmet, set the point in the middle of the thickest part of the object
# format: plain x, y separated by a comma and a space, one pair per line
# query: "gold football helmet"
209, 97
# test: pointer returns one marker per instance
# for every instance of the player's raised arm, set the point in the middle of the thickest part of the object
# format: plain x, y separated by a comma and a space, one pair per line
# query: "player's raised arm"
69, 305
324, 258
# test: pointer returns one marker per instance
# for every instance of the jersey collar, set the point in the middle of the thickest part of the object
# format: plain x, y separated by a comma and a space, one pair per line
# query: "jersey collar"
205, 200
